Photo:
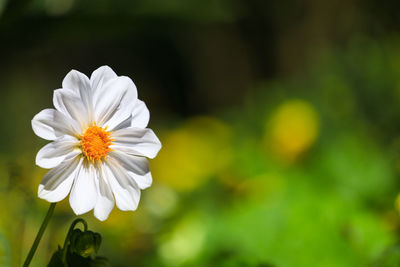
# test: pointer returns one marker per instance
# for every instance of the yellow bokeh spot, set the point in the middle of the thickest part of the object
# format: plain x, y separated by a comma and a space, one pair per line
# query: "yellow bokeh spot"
292, 129
193, 153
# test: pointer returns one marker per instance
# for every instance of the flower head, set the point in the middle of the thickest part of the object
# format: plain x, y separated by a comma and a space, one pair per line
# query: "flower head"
99, 143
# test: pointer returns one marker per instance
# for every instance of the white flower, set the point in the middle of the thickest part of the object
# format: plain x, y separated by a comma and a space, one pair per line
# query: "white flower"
100, 143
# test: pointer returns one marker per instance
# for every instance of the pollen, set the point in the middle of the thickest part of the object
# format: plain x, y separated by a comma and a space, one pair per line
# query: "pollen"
96, 142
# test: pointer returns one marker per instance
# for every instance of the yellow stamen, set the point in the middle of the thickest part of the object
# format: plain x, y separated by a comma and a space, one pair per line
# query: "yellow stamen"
96, 143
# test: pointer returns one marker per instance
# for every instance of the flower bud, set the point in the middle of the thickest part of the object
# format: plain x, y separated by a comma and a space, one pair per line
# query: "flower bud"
85, 243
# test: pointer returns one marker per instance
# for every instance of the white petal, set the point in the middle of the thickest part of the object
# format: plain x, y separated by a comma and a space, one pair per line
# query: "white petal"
83, 195
114, 101
57, 183
50, 124
55, 152
136, 141
143, 181
136, 167
75, 81
140, 115
70, 104
101, 76
124, 124
105, 199
125, 189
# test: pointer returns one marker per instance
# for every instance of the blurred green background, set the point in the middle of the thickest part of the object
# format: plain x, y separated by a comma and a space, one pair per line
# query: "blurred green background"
280, 124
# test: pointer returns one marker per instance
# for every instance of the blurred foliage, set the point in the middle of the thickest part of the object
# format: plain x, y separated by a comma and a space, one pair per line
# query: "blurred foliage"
280, 125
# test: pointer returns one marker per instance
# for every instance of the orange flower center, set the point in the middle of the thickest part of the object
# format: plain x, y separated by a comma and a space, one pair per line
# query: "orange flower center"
96, 142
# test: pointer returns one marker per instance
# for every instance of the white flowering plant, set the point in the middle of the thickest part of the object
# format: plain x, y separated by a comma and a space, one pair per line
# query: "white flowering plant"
98, 151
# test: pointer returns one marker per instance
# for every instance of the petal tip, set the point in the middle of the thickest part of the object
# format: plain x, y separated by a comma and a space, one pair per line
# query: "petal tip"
101, 217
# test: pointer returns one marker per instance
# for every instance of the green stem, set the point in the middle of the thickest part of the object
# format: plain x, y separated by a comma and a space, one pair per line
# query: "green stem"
66, 242
39, 235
